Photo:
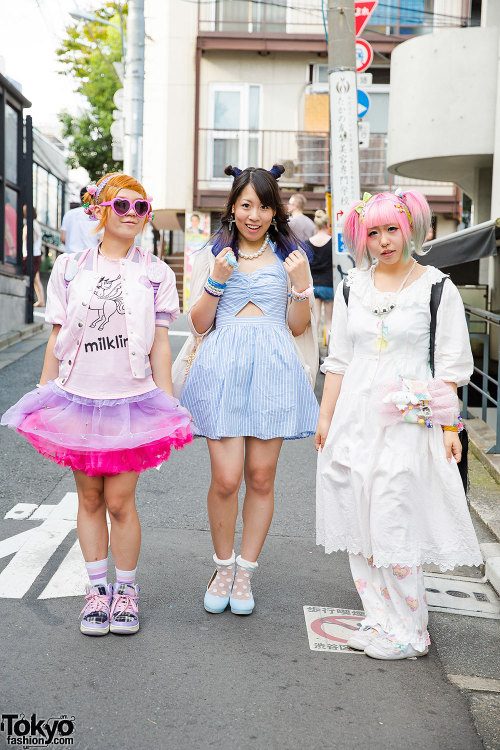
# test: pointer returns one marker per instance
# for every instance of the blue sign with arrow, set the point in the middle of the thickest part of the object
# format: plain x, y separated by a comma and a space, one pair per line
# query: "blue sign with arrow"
363, 103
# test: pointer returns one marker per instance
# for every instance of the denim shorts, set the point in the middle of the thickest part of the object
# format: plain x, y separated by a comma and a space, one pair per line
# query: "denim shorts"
324, 293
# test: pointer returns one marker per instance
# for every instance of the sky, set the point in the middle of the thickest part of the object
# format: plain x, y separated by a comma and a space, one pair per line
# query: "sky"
30, 32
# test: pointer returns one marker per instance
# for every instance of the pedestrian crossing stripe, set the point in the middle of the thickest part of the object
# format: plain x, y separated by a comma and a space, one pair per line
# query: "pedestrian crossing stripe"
32, 550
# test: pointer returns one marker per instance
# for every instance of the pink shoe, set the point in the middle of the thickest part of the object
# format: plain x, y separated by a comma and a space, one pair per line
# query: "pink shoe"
95, 614
124, 614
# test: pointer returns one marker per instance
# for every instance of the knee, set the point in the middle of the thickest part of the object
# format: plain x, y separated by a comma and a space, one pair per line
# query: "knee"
120, 506
260, 480
226, 485
91, 500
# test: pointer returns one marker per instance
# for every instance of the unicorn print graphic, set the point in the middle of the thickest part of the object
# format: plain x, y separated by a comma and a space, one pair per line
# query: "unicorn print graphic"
106, 300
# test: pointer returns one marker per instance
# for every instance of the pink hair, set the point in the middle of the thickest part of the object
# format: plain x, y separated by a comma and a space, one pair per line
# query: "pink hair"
387, 208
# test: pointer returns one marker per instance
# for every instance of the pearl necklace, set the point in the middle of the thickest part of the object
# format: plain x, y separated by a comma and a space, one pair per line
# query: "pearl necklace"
387, 300
259, 252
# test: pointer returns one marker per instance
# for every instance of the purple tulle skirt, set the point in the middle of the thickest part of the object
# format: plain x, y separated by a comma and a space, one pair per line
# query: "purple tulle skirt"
101, 437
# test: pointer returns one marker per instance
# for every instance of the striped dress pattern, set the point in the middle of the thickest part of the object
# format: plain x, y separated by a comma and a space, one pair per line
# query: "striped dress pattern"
247, 379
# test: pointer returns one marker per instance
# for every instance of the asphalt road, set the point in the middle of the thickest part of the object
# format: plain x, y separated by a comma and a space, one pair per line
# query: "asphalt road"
193, 680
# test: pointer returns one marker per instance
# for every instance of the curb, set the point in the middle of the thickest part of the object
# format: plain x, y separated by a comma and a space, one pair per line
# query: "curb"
481, 438
491, 555
20, 334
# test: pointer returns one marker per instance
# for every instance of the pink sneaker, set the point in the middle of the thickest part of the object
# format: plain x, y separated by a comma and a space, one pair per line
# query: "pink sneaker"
95, 614
124, 614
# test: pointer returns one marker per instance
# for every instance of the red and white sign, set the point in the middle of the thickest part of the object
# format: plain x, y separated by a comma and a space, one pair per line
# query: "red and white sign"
364, 55
362, 12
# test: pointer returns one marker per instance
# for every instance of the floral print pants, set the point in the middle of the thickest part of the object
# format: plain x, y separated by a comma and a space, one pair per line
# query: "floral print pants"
393, 600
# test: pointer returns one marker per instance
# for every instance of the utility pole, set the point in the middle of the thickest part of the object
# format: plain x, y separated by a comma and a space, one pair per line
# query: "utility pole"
344, 142
134, 90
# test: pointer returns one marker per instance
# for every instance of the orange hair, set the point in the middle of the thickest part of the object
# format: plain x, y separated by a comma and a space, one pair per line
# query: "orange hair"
117, 182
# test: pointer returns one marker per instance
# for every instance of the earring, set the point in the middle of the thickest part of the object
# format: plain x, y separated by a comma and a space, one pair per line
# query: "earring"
231, 222
273, 224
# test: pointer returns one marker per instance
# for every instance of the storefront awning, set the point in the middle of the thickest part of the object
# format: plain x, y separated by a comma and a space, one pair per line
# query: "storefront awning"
169, 220
473, 243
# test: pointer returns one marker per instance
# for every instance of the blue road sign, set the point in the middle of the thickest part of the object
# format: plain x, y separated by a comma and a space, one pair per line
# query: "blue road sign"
340, 243
363, 103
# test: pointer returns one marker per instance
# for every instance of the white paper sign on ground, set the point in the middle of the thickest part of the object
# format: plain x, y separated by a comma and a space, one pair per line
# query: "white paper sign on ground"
329, 628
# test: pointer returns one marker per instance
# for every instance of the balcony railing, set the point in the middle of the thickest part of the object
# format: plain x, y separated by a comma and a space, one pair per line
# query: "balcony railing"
309, 17
304, 154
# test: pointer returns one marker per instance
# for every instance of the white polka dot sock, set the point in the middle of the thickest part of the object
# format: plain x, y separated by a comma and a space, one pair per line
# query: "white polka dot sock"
242, 587
221, 582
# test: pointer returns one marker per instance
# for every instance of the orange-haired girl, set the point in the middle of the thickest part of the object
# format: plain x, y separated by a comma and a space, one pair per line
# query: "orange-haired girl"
104, 404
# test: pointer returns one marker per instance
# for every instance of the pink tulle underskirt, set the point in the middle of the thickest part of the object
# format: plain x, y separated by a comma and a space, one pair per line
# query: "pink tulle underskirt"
101, 437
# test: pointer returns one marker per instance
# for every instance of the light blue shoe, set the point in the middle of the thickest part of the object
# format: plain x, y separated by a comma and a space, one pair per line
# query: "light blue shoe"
220, 585
241, 599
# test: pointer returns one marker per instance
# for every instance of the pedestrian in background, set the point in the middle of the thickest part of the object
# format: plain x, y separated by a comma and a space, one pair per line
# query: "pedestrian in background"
247, 386
301, 225
104, 404
389, 489
320, 245
37, 256
76, 230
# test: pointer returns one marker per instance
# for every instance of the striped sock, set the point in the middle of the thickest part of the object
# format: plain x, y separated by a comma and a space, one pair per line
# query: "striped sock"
97, 572
125, 576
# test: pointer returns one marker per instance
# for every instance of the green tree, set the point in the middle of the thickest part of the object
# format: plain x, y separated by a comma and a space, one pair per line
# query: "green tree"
88, 52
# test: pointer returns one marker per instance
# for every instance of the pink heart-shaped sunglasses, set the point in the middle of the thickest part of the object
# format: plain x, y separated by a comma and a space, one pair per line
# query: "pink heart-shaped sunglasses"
121, 206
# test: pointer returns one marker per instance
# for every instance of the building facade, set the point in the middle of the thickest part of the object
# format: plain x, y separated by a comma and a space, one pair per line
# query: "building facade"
245, 83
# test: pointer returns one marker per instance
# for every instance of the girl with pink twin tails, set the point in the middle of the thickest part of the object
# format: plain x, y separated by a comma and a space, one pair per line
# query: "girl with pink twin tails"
389, 489
104, 404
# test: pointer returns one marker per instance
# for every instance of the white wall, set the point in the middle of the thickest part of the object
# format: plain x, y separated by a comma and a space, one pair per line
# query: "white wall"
169, 94
442, 105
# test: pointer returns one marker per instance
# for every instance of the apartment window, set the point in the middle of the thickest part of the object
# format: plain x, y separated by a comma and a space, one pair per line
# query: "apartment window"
402, 17
235, 136
251, 16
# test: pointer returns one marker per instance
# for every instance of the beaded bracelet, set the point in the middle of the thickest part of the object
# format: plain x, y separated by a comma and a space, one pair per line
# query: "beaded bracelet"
297, 297
213, 291
216, 283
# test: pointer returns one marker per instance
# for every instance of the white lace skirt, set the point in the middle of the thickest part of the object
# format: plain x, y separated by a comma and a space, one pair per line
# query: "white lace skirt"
389, 492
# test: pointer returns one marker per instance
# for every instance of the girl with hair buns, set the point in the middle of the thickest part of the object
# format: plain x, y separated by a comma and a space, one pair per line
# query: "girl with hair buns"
104, 404
389, 489
248, 387
320, 245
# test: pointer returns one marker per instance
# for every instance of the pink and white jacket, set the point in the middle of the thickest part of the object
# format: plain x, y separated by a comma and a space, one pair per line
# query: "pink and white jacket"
149, 295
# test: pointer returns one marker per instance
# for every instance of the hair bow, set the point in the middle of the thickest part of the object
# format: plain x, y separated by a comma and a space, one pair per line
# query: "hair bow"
361, 209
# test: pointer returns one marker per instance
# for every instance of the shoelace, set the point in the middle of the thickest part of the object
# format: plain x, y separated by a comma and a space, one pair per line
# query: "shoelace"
124, 604
96, 603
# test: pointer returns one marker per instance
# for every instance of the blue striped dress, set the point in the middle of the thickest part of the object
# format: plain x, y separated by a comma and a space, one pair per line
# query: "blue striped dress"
247, 379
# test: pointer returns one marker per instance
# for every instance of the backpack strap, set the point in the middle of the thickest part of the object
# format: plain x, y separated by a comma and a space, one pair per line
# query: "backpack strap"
436, 294
345, 291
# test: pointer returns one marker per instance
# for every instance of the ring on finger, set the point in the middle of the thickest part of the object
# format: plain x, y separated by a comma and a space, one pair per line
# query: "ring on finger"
231, 259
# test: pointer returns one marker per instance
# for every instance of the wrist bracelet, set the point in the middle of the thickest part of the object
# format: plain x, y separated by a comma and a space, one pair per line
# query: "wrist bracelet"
213, 291
217, 284
297, 297
457, 427
306, 293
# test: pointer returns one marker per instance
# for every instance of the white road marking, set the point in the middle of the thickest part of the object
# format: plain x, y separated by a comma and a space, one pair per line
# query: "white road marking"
70, 577
21, 511
20, 573
14, 543
32, 549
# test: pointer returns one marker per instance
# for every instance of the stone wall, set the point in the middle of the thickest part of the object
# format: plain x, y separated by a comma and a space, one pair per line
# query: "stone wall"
13, 290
